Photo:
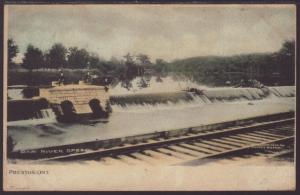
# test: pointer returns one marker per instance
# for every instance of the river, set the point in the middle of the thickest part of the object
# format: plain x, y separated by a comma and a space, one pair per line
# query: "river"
134, 119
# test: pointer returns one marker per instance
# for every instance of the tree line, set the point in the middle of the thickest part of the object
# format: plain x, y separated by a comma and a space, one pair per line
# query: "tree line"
59, 56
269, 68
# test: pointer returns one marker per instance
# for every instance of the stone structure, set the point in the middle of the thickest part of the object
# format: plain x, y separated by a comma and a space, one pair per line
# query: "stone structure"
77, 98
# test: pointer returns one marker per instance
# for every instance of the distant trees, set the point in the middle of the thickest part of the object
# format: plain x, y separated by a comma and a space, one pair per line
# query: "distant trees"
143, 60
33, 58
277, 67
129, 61
113, 66
56, 56
131, 67
94, 61
288, 48
269, 68
13, 50
160, 65
78, 58
285, 58
135, 65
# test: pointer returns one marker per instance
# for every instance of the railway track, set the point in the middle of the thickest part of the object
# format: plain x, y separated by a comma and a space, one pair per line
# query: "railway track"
270, 137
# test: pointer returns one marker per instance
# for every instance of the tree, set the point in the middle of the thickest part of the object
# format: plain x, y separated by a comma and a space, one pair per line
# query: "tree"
78, 58
13, 49
286, 60
113, 66
143, 60
288, 48
131, 69
94, 60
56, 56
33, 58
129, 60
160, 65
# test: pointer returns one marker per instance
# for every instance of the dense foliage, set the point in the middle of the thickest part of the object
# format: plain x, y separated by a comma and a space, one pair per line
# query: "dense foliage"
277, 68
269, 68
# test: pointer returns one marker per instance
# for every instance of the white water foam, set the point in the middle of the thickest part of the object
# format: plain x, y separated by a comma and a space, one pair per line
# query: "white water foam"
15, 94
215, 96
168, 84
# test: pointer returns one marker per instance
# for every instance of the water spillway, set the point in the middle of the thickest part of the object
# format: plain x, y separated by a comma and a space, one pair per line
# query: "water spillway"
154, 109
283, 91
29, 109
154, 98
159, 96
211, 95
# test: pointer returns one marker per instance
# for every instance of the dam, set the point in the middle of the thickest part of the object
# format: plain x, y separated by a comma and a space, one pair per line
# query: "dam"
147, 111
65, 102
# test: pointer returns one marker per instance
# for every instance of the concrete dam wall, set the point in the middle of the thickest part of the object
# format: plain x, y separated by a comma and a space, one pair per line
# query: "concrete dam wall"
81, 99
211, 95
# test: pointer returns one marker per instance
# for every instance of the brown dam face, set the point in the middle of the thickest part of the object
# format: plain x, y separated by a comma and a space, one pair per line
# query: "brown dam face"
25, 109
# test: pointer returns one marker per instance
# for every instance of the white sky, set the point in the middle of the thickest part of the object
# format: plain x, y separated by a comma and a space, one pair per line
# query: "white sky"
161, 31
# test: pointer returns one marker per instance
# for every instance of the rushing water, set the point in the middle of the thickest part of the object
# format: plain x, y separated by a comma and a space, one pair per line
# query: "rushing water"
160, 106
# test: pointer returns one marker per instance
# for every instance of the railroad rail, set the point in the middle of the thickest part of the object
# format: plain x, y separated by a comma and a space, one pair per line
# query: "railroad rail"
195, 147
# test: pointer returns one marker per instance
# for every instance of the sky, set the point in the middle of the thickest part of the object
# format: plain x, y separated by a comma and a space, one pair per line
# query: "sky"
160, 31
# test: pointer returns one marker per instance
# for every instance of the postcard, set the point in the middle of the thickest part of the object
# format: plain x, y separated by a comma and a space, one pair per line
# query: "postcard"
134, 97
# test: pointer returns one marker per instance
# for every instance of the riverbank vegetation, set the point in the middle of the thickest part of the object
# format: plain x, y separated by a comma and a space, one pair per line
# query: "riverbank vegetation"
41, 67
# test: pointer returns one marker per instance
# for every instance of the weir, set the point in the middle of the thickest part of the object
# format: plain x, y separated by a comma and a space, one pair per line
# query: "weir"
144, 119
211, 95
28, 109
91, 100
152, 98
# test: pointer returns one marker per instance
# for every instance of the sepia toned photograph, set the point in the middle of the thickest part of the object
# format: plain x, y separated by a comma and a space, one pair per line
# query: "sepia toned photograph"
149, 97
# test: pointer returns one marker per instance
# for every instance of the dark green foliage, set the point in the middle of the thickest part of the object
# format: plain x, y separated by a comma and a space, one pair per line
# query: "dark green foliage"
78, 58
286, 60
160, 66
276, 68
133, 67
269, 68
94, 61
56, 56
33, 58
143, 60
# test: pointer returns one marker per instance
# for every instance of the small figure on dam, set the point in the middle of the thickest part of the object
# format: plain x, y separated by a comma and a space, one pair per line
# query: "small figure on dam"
106, 83
88, 78
61, 78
